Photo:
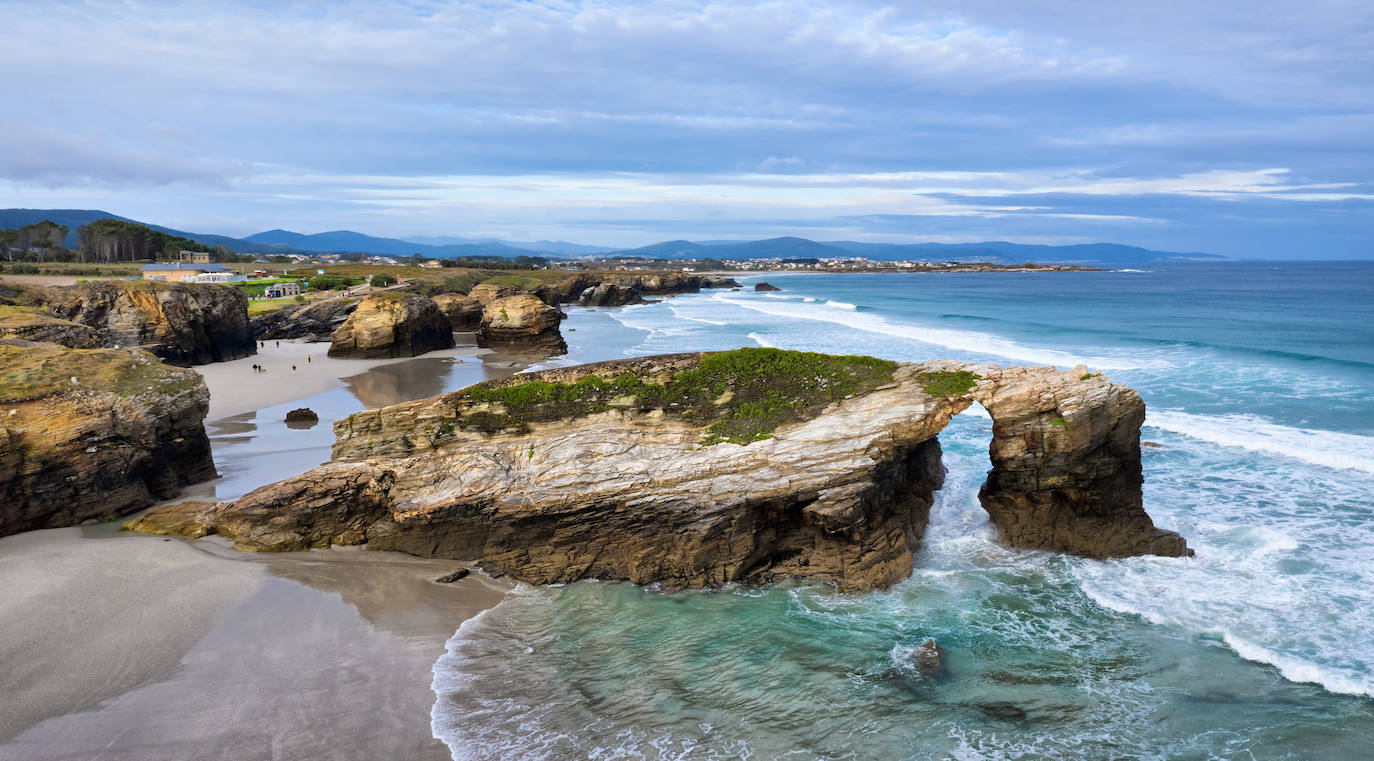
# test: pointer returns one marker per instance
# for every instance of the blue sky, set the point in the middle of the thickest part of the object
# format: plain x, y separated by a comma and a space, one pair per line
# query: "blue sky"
1239, 129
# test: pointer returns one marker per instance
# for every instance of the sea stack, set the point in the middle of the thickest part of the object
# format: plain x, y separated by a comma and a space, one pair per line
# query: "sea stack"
521, 323
392, 324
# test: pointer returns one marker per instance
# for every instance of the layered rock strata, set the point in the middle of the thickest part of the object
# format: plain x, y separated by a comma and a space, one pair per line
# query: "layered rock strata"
183, 324
464, 312
34, 324
620, 290
698, 470
521, 323
392, 324
316, 322
94, 433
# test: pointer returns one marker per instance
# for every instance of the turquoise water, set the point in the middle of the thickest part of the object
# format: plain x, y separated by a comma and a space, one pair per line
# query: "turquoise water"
1260, 383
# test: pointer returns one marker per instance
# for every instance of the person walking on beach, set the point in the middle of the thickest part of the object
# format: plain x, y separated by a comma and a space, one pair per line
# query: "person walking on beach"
293, 368
307, 359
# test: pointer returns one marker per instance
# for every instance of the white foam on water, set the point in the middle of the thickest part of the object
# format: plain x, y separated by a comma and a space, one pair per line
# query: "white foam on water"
1298, 670
679, 313
761, 341
963, 340
842, 305
1326, 448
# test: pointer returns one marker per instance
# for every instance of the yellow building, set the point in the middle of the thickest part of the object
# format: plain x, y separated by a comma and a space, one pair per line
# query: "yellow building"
195, 257
177, 272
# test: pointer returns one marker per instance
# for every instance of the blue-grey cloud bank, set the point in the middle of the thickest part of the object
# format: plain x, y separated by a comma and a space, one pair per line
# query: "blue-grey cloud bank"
1240, 129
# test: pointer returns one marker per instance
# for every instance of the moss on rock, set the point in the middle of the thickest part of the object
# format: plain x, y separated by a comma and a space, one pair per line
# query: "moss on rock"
740, 396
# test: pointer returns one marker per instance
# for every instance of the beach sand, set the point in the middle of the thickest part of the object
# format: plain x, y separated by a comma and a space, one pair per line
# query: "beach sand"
235, 388
126, 646
142, 647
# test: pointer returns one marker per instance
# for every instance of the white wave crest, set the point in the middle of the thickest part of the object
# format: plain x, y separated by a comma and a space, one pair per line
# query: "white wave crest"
1326, 448
1299, 670
842, 305
761, 341
963, 340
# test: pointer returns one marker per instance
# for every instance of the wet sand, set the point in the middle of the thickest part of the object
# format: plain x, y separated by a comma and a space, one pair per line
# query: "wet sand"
297, 369
141, 647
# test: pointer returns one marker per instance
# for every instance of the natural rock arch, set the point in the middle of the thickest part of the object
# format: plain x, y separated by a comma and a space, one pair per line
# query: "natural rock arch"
613, 490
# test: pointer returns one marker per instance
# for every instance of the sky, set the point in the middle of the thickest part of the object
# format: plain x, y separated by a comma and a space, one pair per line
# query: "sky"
1242, 129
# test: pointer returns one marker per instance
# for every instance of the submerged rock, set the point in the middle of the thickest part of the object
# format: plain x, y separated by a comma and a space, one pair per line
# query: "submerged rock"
182, 323
521, 323
94, 433
929, 659
701, 469
449, 578
392, 324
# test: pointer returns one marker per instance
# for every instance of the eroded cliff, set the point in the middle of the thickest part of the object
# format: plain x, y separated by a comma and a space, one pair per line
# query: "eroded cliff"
94, 433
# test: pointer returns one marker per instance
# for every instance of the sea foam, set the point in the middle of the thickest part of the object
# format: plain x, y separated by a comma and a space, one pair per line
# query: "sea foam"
1326, 448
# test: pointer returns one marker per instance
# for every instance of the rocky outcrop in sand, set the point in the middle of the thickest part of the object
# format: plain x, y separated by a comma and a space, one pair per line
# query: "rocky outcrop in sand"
521, 323
697, 470
183, 324
316, 322
464, 312
35, 324
392, 324
94, 433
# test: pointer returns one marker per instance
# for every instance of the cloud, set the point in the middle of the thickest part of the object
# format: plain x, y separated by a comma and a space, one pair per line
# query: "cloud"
446, 117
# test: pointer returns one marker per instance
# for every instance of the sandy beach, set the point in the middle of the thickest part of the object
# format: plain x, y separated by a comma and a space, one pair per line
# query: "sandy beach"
125, 646
140, 647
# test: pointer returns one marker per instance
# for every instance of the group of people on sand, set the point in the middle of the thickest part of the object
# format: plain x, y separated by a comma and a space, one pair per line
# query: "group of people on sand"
262, 368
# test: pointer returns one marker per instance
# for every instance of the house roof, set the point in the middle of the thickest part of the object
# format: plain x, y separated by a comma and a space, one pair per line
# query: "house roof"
185, 266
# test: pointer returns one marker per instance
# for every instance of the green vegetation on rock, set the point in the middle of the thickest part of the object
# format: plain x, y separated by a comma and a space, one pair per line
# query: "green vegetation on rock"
743, 394
40, 370
945, 384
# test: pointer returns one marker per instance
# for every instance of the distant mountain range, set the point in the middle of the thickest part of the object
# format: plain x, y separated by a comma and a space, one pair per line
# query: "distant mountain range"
347, 241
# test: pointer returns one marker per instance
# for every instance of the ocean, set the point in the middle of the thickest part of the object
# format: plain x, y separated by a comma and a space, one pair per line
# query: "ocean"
1259, 379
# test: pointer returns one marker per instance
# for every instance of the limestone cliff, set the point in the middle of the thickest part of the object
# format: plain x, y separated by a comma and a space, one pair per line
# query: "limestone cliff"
392, 324
183, 324
94, 433
521, 323
696, 470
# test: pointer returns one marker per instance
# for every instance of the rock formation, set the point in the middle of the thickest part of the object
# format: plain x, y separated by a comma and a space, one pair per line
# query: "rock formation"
521, 323
761, 287
619, 290
316, 322
485, 293
94, 433
392, 324
464, 312
184, 324
302, 416
701, 469
34, 324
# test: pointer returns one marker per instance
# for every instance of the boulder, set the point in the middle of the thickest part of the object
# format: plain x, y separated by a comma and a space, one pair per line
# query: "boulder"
521, 323
464, 312
182, 323
92, 434
761, 287
35, 324
701, 469
302, 417
392, 324
316, 322
929, 659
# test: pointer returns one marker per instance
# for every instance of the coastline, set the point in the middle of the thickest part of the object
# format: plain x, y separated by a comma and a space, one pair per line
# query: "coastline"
175, 648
